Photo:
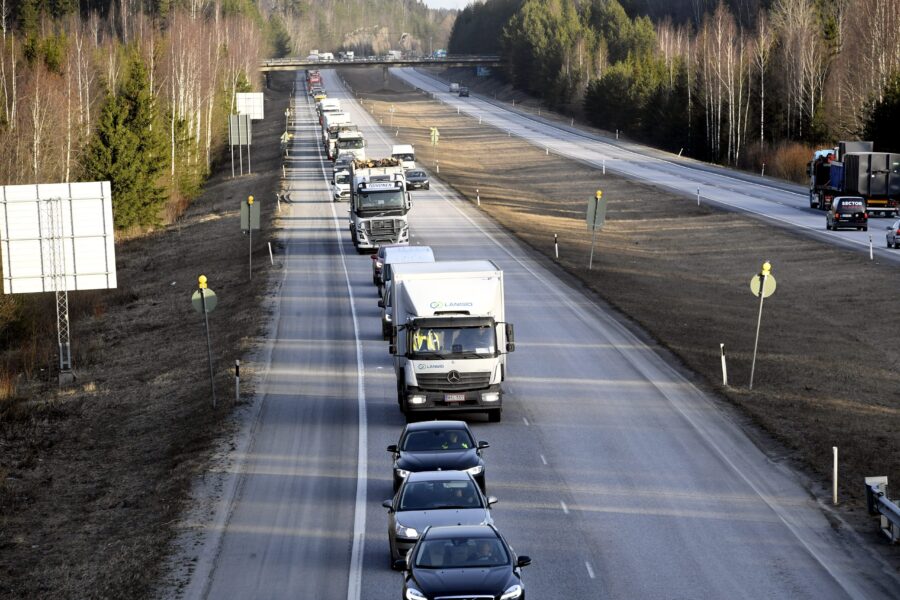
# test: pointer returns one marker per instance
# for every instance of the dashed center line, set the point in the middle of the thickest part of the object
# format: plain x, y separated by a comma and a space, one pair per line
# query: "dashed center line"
543, 460
527, 424
564, 507
590, 570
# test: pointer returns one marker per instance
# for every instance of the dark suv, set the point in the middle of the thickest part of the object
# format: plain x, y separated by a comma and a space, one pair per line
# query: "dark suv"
847, 212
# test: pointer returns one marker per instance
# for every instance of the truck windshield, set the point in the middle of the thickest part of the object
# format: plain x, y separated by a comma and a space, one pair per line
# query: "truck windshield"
342, 178
405, 157
462, 342
379, 200
351, 144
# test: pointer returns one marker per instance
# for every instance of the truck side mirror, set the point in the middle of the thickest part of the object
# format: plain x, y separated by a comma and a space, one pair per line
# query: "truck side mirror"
510, 338
381, 302
408, 201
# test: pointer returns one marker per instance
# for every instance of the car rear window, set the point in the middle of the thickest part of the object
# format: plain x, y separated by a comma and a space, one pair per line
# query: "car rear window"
850, 206
437, 440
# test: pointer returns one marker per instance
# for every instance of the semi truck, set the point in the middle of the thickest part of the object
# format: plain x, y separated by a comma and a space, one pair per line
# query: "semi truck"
854, 169
332, 125
351, 142
379, 204
449, 337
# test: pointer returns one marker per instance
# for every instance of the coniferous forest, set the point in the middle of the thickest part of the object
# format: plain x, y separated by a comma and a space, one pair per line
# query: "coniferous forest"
741, 82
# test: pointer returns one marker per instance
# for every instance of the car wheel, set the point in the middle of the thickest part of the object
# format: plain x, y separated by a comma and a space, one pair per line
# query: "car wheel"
427, 186
385, 332
495, 415
866, 228
827, 226
889, 244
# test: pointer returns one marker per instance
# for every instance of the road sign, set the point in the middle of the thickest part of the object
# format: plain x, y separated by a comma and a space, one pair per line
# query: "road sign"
209, 297
596, 212
249, 215
763, 282
240, 130
435, 136
250, 103
767, 283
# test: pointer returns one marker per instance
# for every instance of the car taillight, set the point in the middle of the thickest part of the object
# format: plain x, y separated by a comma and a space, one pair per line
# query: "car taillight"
898, 232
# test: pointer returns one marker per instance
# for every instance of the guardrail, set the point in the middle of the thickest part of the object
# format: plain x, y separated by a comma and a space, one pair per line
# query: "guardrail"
881, 506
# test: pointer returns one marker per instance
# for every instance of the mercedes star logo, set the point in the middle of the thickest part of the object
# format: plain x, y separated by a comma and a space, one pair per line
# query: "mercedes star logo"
453, 377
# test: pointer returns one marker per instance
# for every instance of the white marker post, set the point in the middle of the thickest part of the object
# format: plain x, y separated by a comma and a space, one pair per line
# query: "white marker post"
834, 451
871, 250
271, 256
556, 245
724, 366
604, 166
698, 196
237, 380
477, 196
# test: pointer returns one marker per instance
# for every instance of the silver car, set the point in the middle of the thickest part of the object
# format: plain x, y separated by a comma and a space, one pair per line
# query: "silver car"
433, 498
893, 235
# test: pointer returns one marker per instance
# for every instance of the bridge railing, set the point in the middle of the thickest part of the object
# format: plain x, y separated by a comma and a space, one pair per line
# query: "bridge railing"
881, 506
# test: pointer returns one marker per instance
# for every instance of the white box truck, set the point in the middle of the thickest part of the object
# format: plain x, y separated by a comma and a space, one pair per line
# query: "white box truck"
449, 337
406, 154
350, 142
394, 255
379, 203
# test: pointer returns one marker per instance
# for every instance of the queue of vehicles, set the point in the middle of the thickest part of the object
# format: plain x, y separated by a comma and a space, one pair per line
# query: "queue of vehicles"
445, 323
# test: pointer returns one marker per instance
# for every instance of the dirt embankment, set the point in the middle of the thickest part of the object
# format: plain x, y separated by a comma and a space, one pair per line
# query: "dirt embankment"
827, 372
93, 477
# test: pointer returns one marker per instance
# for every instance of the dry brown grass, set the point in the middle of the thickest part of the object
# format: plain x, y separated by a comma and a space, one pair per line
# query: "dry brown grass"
682, 272
93, 476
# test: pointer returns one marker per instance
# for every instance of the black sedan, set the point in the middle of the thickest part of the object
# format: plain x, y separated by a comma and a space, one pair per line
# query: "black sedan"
461, 561
437, 446
416, 179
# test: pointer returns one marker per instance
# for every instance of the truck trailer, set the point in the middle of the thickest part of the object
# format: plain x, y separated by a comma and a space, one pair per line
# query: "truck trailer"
854, 169
449, 337
379, 204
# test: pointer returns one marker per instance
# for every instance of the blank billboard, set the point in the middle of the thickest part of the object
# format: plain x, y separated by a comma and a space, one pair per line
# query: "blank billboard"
250, 103
57, 232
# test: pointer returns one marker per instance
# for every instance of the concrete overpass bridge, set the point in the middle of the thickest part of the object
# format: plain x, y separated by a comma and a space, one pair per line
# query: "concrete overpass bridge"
462, 60
293, 64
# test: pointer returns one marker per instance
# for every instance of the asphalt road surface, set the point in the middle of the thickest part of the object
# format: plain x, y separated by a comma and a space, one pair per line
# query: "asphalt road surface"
617, 476
774, 201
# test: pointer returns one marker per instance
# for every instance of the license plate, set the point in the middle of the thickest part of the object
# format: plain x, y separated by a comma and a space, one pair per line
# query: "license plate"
454, 397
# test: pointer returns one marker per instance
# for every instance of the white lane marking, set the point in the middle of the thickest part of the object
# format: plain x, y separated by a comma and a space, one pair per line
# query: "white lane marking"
590, 570
543, 460
524, 420
354, 578
564, 507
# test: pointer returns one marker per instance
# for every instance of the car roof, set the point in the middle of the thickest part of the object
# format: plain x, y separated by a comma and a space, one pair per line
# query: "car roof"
436, 425
438, 476
445, 532
408, 254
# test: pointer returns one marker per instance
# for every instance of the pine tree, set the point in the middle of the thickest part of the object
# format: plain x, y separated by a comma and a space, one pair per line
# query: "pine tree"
129, 149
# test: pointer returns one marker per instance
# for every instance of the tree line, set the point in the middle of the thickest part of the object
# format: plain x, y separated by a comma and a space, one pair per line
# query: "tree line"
725, 84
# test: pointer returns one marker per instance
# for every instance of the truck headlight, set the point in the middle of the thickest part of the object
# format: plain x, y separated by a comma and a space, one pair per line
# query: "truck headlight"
512, 592
475, 470
490, 397
404, 531
387, 317
417, 399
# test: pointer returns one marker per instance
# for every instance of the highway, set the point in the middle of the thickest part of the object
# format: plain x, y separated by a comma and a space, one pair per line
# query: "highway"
774, 201
615, 474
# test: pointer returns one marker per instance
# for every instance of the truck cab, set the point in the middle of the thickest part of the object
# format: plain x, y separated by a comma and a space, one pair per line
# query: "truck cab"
379, 204
406, 154
351, 142
449, 337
